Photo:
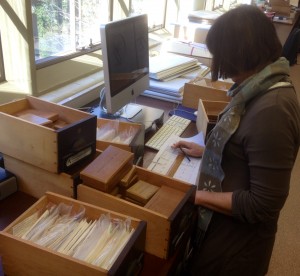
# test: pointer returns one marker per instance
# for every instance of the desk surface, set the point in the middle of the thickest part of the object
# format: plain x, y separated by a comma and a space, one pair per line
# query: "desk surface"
14, 205
284, 26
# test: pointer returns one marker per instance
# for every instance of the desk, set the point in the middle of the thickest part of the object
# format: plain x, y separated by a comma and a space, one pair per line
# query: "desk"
17, 203
166, 106
285, 26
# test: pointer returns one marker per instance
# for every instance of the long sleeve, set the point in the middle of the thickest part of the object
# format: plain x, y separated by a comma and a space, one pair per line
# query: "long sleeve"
269, 135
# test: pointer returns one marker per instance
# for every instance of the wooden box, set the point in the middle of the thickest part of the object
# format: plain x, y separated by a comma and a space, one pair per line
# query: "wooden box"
23, 257
206, 90
208, 112
281, 7
122, 130
168, 219
47, 135
36, 182
106, 170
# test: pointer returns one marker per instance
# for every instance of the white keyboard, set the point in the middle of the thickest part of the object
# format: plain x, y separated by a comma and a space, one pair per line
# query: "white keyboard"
174, 125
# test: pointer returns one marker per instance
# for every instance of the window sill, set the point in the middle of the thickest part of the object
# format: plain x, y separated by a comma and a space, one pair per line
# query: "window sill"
77, 93
10, 91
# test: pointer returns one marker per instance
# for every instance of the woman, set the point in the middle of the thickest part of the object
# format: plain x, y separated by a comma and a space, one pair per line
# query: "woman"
250, 153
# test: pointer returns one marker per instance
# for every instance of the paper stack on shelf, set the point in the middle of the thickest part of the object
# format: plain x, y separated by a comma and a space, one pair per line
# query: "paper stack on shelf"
162, 96
203, 16
172, 90
188, 48
169, 66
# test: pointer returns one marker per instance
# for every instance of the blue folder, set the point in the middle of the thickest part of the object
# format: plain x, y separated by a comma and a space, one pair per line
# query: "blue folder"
185, 112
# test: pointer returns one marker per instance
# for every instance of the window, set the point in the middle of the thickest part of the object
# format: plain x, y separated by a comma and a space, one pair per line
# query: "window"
156, 10
52, 49
66, 27
2, 76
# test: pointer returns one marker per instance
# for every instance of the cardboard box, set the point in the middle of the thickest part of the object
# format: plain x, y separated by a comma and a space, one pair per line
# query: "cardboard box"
168, 216
207, 116
66, 138
281, 7
136, 144
205, 89
23, 257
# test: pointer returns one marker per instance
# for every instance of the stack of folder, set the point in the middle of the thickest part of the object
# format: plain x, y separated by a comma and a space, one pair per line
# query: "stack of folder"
169, 66
169, 73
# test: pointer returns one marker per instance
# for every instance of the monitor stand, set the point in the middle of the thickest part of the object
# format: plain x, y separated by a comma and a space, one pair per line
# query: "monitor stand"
136, 113
131, 110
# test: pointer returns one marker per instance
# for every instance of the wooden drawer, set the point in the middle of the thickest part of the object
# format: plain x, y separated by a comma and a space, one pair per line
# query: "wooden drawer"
23, 257
208, 112
205, 89
36, 182
47, 135
121, 131
168, 220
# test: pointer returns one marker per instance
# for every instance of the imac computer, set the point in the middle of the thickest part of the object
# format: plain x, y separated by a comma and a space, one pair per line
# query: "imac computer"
125, 55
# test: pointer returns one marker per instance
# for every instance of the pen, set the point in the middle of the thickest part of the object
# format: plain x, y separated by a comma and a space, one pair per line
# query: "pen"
184, 153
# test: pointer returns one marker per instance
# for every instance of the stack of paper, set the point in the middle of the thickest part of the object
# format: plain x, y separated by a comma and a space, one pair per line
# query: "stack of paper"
169, 66
188, 169
189, 48
65, 230
172, 90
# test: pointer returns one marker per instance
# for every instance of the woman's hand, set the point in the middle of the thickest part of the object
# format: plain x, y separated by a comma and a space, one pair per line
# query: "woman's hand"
190, 148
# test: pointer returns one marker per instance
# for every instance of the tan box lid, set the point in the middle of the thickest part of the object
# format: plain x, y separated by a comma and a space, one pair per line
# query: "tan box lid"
106, 171
205, 89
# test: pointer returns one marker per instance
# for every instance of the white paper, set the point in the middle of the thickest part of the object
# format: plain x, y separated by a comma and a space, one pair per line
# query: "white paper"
188, 171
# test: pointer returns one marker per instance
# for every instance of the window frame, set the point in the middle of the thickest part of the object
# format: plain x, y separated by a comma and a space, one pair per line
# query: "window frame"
51, 60
2, 71
73, 80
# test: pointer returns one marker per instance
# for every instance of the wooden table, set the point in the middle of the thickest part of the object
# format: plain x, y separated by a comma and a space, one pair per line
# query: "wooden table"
284, 26
14, 205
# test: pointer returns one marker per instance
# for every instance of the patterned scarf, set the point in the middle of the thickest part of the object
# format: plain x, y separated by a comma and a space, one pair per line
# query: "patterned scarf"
211, 173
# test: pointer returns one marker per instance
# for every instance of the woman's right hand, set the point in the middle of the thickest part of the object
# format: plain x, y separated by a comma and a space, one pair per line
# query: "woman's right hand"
190, 148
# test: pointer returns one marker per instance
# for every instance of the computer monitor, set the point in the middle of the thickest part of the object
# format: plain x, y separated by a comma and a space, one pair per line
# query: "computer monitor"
125, 55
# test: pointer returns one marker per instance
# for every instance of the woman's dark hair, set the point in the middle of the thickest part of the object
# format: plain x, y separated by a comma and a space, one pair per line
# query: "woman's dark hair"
242, 40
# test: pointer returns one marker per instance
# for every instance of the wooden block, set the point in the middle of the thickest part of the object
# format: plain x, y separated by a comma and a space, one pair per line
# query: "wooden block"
106, 171
126, 180
158, 202
35, 119
53, 116
58, 124
141, 191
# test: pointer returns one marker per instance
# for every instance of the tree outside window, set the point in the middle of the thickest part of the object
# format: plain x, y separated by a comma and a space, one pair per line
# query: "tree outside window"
62, 27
